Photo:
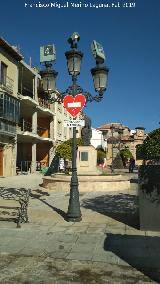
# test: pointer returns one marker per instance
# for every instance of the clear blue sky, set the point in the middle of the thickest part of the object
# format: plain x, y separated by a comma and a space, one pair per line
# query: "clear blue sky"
131, 40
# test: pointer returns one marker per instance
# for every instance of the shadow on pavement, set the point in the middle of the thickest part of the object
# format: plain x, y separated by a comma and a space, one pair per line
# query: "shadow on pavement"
57, 210
121, 207
141, 252
134, 180
39, 194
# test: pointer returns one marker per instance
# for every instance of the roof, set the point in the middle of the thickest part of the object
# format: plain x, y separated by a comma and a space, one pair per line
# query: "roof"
127, 138
30, 69
10, 49
110, 125
140, 127
113, 140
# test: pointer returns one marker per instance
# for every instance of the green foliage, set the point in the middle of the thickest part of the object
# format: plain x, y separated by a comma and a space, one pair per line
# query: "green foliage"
125, 154
64, 150
140, 152
101, 154
150, 149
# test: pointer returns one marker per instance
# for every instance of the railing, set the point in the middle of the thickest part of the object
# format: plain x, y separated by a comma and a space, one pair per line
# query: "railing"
26, 126
24, 166
27, 92
7, 128
44, 103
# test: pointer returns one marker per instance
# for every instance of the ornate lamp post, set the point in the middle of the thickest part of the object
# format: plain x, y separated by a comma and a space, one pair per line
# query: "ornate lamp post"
99, 74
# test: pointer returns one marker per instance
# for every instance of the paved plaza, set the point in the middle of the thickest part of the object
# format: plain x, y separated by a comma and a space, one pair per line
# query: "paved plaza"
105, 247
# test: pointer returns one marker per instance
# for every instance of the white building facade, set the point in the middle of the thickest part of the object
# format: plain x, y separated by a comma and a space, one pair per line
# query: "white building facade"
98, 140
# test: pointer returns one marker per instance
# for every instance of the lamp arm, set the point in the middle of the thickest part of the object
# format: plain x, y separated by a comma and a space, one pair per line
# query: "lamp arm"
79, 90
96, 98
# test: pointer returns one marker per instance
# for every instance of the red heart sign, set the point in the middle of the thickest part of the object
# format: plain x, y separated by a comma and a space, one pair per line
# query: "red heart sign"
74, 104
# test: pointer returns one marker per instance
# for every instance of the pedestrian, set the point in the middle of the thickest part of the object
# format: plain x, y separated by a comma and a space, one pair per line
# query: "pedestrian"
131, 165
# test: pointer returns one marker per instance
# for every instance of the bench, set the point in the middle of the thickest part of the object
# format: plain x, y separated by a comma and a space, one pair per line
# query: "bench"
14, 205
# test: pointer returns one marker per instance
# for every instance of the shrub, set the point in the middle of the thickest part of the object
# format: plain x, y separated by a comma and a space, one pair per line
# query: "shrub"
150, 149
64, 150
101, 154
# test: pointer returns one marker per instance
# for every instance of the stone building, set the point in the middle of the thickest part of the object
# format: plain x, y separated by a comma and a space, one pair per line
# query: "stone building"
119, 136
30, 127
9, 107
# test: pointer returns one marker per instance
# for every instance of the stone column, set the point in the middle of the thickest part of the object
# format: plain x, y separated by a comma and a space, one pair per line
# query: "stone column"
14, 157
52, 128
34, 122
33, 166
35, 95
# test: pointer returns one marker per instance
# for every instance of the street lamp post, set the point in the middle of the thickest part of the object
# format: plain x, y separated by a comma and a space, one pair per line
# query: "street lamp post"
74, 58
99, 74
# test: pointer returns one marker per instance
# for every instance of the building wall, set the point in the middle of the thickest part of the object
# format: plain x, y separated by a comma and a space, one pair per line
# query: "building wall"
125, 139
43, 154
97, 139
12, 69
9, 160
8, 143
44, 125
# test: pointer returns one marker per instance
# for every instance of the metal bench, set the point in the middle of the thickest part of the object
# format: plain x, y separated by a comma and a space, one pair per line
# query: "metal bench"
14, 205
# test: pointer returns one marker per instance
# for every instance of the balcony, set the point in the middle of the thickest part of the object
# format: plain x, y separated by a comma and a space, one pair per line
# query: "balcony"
26, 134
27, 99
7, 129
44, 108
44, 103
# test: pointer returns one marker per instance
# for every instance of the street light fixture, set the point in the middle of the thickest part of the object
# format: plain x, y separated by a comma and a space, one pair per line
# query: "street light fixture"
74, 58
99, 73
48, 78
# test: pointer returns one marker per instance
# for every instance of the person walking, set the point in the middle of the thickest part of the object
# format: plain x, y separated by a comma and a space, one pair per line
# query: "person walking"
131, 165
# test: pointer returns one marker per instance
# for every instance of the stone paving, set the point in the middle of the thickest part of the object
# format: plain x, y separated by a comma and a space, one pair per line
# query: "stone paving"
105, 247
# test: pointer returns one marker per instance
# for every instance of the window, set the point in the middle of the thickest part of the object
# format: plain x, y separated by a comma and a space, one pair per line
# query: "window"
8, 128
84, 156
9, 108
3, 74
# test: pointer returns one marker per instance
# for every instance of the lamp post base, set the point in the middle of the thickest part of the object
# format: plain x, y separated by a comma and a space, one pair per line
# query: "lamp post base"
74, 211
73, 219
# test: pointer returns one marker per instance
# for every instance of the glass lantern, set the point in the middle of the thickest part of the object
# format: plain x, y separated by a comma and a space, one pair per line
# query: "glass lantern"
100, 76
74, 59
48, 80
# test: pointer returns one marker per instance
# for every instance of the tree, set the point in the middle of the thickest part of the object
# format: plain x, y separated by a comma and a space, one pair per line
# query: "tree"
64, 150
150, 149
101, 154
125, 155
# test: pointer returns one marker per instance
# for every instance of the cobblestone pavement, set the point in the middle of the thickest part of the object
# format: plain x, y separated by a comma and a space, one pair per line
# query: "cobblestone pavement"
105, 247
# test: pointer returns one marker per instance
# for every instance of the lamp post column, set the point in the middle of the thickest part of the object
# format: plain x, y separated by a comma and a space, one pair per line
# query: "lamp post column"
74, 212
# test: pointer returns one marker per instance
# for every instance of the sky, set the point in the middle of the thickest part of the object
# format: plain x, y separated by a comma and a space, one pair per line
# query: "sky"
131, 40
